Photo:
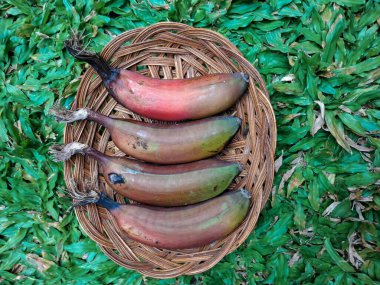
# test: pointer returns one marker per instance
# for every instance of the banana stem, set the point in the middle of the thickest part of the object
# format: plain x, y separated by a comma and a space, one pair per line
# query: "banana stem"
61, 114
65, 152
90, 197
75, 48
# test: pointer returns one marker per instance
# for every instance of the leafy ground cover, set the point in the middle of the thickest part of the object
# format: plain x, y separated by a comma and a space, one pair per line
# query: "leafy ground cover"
320, 60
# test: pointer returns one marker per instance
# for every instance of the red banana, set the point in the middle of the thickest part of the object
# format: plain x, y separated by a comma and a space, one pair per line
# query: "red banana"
167, 100
179, 227
170, 185
158, 143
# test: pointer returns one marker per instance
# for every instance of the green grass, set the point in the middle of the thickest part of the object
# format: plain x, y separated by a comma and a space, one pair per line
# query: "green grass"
321, 63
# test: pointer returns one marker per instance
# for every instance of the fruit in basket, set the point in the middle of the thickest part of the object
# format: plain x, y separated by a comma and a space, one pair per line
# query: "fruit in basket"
168, 185
159, 143
167, 100
179, 227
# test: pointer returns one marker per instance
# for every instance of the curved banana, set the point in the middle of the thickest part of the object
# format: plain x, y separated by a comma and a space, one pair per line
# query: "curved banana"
167, 100
170, 185
158, 143
180, 227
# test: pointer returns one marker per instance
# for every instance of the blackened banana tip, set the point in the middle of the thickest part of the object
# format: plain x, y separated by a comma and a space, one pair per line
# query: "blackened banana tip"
67, 44
69, 50
239, 121
245, 76
70, 47
106, 202
240, 167
245, 193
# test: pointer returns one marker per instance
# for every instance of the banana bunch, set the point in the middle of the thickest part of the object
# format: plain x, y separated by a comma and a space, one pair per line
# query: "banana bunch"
175, 180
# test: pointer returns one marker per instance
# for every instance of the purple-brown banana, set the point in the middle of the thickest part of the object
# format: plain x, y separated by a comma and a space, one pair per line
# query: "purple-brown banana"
160, 185
161, 143
179, 227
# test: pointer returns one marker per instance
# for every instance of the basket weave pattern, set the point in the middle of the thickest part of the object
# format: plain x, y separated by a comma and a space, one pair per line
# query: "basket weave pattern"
170, 51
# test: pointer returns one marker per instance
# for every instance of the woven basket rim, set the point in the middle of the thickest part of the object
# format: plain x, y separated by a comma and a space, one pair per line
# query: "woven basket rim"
197, 50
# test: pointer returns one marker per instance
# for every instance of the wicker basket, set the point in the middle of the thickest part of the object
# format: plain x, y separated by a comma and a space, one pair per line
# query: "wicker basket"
172, 50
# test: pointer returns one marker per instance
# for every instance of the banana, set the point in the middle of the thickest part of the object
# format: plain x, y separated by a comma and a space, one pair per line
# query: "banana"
170, 185
179, 227
167, 100
158, 143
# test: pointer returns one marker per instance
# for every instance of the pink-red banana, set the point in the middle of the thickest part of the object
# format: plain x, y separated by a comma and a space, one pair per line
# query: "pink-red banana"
158, 143
160, 185
179, 227
167, 100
